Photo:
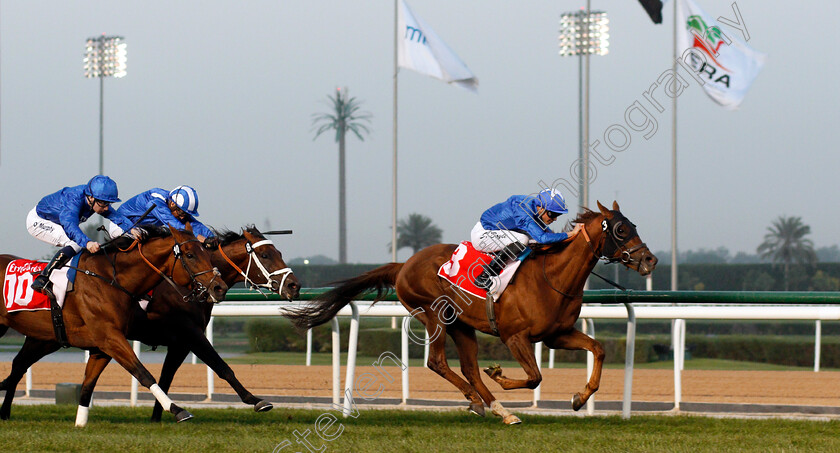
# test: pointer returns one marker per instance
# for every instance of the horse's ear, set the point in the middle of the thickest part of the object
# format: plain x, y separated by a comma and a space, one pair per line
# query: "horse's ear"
171, 230
604, 210
615, 206
188, 227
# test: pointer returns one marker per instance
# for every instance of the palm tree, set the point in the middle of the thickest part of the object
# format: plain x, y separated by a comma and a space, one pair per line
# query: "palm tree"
785, 243
345, 116
417, 232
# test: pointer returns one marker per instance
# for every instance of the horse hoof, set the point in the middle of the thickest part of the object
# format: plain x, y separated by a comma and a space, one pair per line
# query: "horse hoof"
263, 406
577, 403
494, 371
183, 416
477, 409
511, 420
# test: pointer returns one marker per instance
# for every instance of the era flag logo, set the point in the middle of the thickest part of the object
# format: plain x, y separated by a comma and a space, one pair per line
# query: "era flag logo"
726, 66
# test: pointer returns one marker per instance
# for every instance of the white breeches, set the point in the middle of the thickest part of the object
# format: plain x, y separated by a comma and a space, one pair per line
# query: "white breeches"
489, 241
49, 232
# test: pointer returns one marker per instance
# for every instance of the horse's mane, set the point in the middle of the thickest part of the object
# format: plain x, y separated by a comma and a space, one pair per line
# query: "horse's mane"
586, 216
123, 242
226, 236
583, 217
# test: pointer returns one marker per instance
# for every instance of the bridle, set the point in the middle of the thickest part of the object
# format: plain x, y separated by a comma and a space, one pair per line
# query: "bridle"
270, 283
198, 290
618, 243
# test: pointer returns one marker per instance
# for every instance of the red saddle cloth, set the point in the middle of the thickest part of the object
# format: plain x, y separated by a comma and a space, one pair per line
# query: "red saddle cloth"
464, 266
16, 288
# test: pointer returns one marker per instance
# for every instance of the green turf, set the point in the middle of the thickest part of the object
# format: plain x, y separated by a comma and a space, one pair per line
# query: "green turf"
50, 428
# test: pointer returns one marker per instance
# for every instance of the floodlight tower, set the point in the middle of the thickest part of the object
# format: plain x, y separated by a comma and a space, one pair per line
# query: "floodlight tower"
105, 56
584, 33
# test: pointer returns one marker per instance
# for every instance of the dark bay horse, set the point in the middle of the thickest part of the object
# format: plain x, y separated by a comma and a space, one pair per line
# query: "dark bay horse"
99, 311
542, 303
179, 324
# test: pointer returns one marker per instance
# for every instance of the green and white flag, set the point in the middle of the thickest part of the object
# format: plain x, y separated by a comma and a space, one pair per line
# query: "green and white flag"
726, 66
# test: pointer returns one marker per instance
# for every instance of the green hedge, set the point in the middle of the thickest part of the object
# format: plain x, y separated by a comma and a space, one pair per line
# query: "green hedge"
266, 335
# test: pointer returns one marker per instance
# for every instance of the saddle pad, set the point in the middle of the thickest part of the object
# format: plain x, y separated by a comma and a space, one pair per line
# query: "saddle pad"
466, 264
18, 294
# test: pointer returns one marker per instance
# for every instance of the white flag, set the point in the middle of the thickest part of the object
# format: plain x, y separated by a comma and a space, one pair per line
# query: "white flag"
726, 65
421, 49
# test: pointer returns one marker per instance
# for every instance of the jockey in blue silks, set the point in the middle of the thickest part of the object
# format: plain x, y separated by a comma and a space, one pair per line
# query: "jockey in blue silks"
174, 208
57, 216
506, 228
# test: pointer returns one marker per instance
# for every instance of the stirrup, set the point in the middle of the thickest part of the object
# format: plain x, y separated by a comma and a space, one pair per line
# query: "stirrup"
43, 288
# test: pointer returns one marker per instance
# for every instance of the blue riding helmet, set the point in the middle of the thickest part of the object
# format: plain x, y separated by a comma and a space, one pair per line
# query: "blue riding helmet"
186, 198
102, 188
551, 200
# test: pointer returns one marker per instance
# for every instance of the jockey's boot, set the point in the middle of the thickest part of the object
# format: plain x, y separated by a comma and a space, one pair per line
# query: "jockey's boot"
497, 265
42, 282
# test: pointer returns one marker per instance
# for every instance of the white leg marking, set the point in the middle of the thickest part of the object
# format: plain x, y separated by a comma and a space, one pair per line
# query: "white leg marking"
161, 397
82, 416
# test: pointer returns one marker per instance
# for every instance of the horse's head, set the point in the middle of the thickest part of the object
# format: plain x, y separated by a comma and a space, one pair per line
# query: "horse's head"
622, 243
258, 262
196, 270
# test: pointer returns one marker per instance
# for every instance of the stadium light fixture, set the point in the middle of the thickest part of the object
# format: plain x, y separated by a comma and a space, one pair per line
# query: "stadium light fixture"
105, 56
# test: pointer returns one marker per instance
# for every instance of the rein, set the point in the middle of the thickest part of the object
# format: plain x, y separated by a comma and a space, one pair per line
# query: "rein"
624, 257
199, 289
269, 283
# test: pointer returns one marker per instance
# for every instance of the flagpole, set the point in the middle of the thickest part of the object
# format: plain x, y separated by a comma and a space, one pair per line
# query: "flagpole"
676, 324
394, 169
674, 166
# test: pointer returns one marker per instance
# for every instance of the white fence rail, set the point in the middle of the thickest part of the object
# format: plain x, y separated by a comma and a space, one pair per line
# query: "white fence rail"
357, 310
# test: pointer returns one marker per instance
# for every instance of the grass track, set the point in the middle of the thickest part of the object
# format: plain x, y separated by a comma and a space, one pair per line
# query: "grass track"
50, 428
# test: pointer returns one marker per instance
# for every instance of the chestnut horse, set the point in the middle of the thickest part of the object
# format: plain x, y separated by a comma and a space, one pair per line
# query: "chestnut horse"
100, 309
542, 303
180, 326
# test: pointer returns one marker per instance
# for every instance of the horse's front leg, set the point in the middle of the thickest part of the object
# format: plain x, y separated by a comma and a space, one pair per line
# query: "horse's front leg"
113, 343
175, 355
202, 348
577, 340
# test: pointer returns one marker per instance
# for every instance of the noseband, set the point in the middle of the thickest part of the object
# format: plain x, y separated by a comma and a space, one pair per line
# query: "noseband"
269, 284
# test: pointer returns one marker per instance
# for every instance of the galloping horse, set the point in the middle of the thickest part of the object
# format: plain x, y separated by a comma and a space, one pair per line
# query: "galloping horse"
179, 324
99, 311
542, 303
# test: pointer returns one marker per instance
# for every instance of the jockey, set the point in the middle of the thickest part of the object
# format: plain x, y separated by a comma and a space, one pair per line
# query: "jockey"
56, 220
507, 227
174, 208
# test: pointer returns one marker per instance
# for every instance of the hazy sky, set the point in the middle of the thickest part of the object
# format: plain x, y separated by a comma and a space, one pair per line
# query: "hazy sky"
219, 95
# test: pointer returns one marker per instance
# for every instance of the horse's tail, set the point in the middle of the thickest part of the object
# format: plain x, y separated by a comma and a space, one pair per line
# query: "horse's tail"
323, 308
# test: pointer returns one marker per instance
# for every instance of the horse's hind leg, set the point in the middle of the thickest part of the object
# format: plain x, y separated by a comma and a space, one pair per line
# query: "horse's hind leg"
438, 364
95, 366
467, 345
576, 340
31, 352
523, 351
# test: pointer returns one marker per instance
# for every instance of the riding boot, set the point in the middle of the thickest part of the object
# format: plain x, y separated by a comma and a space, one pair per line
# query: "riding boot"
495, 267
42, 282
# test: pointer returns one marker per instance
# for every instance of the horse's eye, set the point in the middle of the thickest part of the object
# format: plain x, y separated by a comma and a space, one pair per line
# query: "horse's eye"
264, 255
190, 256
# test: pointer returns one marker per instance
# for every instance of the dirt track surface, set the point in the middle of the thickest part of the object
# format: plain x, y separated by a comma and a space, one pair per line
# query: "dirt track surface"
758, 387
